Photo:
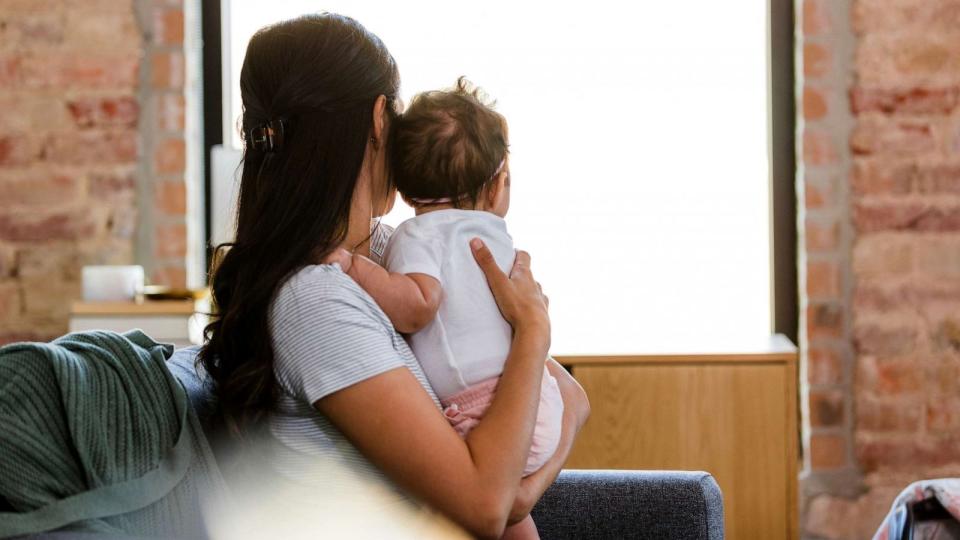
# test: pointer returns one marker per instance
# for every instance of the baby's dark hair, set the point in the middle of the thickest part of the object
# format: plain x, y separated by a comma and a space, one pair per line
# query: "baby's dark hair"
447, 144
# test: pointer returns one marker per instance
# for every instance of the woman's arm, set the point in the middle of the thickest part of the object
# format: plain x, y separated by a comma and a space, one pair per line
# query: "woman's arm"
576, 410
410, 301
392, 421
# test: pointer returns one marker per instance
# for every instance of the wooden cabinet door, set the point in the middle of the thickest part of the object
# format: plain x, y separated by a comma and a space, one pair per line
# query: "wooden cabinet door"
731, 420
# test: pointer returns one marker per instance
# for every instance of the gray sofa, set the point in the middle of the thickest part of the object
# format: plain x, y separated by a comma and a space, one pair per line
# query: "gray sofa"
581, 504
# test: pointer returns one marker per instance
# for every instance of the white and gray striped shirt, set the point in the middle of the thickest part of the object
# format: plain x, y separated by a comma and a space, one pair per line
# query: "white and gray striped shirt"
328, 334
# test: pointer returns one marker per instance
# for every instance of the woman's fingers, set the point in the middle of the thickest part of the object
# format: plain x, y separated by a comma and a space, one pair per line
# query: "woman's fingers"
521, 263
495, 277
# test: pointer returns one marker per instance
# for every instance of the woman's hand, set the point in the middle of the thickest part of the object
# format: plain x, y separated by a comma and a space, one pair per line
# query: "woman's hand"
519, 297
576, 410
342, 257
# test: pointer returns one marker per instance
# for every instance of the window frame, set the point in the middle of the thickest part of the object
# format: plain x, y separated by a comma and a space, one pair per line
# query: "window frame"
781, 144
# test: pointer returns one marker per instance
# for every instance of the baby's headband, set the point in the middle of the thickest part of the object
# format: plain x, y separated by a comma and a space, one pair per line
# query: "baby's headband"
447, 200
268, 136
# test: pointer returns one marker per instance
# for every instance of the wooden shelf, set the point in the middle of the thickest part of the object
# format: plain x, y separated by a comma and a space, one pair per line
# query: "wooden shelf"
125, 309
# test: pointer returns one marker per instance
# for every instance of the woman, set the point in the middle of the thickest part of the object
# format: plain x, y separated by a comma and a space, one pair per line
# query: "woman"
301, 350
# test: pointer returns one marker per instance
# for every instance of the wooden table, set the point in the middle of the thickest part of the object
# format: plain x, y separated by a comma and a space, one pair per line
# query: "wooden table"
731, 412
168, 321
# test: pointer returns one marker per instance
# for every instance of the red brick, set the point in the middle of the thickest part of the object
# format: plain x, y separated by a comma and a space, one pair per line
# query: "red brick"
31, 113
888, 378
171, 197
18, 149
815, 197
827, 451
938, 178
80, 70
34, 30
823, 280
826, 408
167, 69
92, 147
122, 223
824, 319
51, 298
903, 453
61, 262
172, 276
170, 240
892, 138
821, 238
905, 216
823, 366
38, 189
105, 112
896, 415
869, 297
882, 16
886, 342
10, 72
943, 415
819, 148
814, 103
46, 227
7, 262
908, 59
168, 26
816, 60
112, 187
170, 112
882, 177
170, 157
10, 301
86, 29
938, 256
912, 101
883, 255
947, 337
918, 55
816, 19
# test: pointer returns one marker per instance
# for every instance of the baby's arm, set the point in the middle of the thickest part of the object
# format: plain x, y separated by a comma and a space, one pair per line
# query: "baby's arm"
410, 300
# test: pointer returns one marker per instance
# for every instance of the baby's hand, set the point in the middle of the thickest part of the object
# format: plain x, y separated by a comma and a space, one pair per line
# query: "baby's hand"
342, 257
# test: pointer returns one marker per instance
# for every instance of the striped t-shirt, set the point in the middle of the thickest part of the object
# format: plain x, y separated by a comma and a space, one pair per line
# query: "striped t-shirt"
328, 334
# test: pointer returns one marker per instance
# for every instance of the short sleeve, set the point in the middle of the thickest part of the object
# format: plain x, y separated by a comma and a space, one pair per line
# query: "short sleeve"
414, 250
326, 336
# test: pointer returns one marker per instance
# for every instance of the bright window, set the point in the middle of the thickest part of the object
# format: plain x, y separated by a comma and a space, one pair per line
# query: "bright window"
639, 136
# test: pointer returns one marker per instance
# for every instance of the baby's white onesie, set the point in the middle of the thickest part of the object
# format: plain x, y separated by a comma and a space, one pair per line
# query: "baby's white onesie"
468, 341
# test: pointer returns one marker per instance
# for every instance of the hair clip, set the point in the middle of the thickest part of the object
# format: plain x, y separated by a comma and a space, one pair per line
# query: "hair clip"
268, 137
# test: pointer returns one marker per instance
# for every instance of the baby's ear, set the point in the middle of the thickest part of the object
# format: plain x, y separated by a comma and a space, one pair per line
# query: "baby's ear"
497, 190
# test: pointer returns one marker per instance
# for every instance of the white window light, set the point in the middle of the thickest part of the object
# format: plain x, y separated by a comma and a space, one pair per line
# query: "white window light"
638, 150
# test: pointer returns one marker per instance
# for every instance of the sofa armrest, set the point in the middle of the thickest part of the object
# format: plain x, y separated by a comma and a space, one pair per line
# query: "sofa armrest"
595, 504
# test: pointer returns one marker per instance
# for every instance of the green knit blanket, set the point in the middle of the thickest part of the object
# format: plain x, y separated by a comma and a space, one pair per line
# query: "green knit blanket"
97, 435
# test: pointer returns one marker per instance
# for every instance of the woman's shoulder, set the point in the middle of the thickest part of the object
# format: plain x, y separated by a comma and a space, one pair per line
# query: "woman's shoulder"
323, 290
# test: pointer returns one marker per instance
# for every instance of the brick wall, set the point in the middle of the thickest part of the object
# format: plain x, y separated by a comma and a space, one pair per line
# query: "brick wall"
881, 222
91, 134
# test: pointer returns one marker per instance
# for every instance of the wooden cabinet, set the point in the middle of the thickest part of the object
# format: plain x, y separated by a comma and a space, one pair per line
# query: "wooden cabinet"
730, 412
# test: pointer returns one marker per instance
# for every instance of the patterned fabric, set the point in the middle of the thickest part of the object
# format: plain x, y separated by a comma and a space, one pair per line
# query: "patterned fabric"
947, 493
379, 237
328, 334
97, 435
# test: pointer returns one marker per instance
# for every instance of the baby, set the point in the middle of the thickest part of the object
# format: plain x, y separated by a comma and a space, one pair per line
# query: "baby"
449, 157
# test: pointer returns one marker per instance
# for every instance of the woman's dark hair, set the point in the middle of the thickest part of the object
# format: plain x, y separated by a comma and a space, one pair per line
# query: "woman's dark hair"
315, 78
447, 144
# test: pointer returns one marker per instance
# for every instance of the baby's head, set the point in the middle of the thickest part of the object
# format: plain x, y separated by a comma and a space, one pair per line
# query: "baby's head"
449, 148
